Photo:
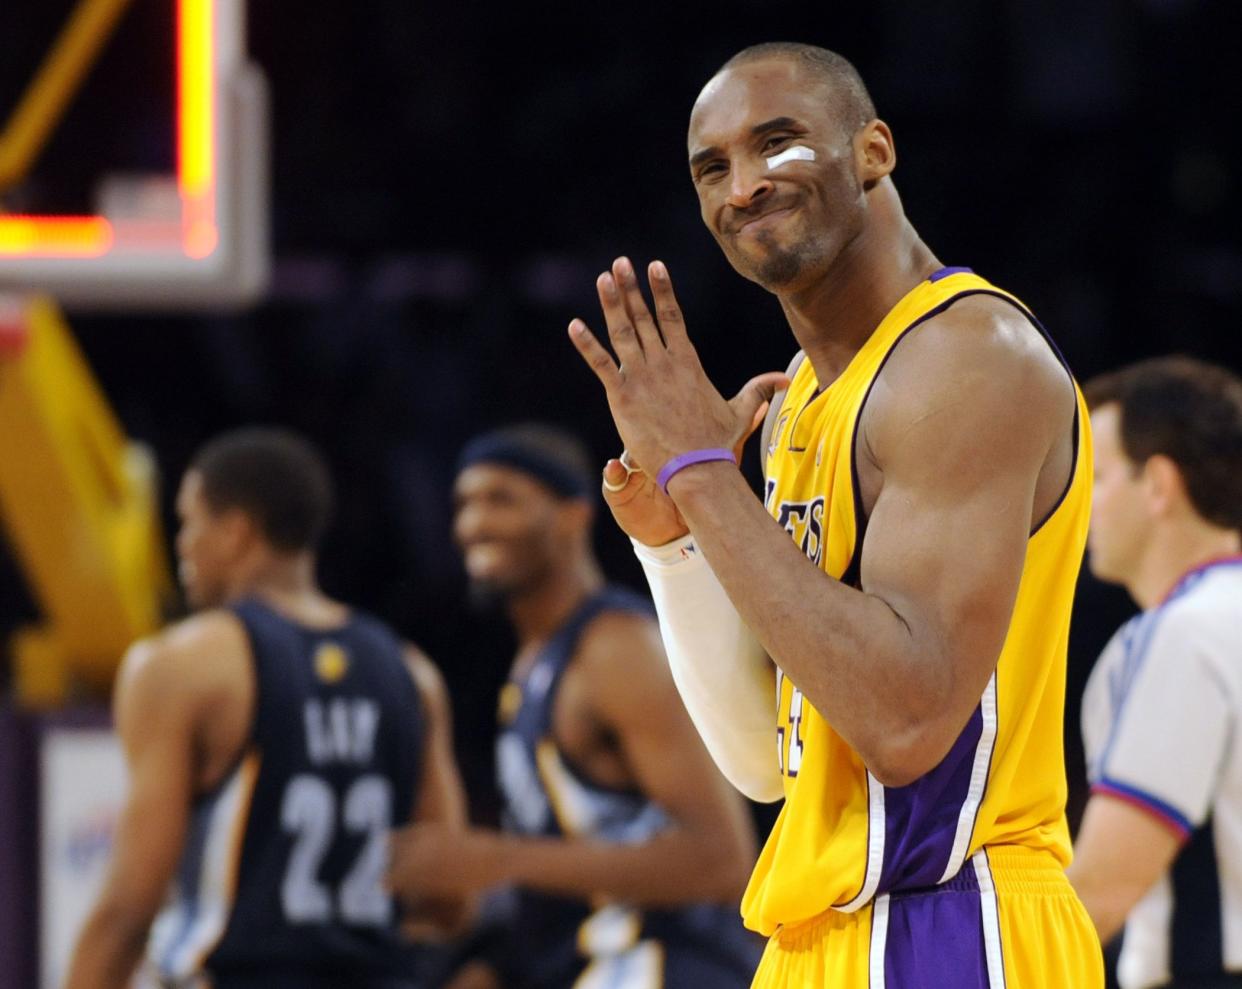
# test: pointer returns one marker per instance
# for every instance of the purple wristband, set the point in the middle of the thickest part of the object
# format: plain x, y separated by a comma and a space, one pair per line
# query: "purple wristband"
684, 460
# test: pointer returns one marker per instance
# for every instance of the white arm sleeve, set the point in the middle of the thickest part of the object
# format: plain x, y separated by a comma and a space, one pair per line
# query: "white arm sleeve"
725, 678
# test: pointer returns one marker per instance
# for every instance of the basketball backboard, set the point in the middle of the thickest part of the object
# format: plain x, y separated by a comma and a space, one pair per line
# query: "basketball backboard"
198, 238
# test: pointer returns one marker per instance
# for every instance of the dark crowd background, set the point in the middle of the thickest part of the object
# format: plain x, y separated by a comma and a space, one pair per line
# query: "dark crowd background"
448, 179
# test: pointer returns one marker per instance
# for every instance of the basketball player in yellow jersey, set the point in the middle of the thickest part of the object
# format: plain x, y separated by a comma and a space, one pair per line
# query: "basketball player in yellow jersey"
930, 458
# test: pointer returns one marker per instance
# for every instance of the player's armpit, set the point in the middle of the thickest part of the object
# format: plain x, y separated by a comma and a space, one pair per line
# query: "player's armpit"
1119, 853
156, 714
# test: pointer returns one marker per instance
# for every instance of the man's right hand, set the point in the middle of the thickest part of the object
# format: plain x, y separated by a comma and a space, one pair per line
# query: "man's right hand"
641, 509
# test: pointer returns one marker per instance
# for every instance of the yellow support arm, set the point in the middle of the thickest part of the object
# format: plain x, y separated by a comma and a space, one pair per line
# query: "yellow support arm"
79, 504
54, 85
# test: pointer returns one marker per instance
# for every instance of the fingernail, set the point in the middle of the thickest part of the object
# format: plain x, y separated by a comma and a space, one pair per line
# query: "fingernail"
658, 270
624, 266
607, 284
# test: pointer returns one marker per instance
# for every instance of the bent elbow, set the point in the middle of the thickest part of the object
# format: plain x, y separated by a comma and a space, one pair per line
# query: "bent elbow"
744, 760
893, 776
904, 758
766, 788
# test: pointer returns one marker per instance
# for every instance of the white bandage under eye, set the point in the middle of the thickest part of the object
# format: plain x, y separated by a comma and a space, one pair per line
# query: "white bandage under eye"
798, 152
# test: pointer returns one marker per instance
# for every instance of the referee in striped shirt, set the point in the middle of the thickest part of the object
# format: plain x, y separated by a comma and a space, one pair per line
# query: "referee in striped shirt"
1160, 846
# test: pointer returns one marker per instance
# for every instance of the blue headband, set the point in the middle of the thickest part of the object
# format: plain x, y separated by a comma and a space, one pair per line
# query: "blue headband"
496, 448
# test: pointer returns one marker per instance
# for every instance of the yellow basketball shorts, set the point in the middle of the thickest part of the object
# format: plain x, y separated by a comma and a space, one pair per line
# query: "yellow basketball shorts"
1008, 920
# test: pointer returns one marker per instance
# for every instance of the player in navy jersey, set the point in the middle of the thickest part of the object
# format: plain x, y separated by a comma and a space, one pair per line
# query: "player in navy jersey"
627, 850
273, 740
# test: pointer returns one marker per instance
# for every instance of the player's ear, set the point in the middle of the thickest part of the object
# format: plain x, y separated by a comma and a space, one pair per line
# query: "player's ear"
238, 531
1163, 485
875, 154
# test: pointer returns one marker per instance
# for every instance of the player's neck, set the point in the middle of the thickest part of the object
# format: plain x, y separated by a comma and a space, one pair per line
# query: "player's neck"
834, 317
540, 611
1175, 550
288, 584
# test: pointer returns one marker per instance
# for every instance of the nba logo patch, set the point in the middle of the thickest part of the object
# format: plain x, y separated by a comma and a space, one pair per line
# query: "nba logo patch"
775, 441
330, 662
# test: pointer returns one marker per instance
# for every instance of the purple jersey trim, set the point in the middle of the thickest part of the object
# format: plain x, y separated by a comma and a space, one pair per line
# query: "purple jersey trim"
935, 938
935, 276
920, 820
1164, 813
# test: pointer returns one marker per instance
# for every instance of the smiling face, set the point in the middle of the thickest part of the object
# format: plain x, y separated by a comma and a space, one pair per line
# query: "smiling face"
776, 226
508, 528
207, 545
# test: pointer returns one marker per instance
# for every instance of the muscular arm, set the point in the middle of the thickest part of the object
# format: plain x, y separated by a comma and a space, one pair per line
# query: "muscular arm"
705, 854
708, 851
162, 694
1119, 853
964, 416
440, 798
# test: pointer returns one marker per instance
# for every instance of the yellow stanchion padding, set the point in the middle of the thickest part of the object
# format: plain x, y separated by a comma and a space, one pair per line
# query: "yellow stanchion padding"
78, 502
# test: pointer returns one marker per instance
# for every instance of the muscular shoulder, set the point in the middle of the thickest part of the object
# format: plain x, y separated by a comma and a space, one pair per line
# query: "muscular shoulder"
616, 634
982, 343
183, 671
979, 360
620, 661
188, 654
428, 680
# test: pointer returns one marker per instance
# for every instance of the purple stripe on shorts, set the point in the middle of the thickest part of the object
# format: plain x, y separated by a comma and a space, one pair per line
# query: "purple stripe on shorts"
935, 938
935, 276
920, 820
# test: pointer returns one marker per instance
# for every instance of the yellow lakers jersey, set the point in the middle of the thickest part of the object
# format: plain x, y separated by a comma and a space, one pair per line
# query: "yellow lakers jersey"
842, 837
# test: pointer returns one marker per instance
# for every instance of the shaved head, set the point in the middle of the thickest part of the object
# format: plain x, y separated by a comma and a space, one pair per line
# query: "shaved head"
847, 94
